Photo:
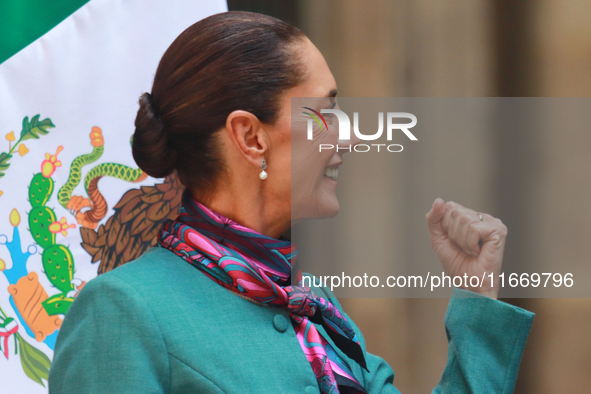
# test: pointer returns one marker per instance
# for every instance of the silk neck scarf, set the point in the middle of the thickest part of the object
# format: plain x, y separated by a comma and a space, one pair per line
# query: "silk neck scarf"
259, 267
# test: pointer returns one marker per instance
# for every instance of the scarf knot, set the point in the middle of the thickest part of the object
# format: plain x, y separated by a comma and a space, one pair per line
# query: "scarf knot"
301, 301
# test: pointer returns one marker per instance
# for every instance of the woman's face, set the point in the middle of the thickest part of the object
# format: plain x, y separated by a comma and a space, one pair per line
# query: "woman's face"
307, 174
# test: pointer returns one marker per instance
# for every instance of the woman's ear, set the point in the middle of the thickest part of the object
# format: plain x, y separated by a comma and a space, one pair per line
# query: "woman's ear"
248, 135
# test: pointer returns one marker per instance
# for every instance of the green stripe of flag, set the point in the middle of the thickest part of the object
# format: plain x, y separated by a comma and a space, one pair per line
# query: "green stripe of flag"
24, 21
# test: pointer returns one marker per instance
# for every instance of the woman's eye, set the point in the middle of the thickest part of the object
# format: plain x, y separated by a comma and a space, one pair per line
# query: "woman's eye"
330, 117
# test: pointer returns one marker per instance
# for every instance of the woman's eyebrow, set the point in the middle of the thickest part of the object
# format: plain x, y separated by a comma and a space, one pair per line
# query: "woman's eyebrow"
332, 93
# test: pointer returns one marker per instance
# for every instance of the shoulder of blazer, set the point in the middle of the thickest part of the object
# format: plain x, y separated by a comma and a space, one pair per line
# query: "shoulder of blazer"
159, 273
154, 267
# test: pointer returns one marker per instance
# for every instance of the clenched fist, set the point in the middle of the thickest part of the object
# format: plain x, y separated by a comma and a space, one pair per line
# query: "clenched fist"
467, 242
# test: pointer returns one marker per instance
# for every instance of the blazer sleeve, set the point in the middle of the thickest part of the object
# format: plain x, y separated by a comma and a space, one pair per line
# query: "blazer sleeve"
486, 339
109, 342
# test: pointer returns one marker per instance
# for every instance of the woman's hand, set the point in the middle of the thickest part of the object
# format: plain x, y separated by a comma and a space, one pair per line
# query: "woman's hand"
467, 245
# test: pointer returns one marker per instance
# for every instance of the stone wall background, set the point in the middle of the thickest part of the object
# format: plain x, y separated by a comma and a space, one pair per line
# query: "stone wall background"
450, 48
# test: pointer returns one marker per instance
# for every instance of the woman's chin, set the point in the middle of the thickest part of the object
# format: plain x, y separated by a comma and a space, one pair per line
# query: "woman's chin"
327, 203
329, 210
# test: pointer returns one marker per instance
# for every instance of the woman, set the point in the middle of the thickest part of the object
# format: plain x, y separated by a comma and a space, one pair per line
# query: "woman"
219, 114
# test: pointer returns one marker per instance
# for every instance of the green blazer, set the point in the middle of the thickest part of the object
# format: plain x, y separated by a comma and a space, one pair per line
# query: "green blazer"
159, 325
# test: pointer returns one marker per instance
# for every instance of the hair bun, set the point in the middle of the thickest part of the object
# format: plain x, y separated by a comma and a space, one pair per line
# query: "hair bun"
151, 147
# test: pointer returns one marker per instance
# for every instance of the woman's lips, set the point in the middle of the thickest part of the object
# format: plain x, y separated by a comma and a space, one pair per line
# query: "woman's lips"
331, 173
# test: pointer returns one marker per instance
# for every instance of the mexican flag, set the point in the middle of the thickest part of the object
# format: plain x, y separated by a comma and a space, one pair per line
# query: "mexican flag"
73, 203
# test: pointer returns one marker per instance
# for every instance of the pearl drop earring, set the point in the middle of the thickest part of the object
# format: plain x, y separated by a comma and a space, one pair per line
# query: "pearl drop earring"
263, 174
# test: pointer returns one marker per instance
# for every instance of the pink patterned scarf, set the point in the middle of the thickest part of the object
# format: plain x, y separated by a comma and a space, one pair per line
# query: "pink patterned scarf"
259, 267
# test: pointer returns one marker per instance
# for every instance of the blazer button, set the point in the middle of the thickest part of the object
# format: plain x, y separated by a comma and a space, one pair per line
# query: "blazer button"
280, 323
311, 390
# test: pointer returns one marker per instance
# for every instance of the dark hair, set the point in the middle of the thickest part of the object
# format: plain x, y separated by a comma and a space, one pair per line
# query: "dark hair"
225, 62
